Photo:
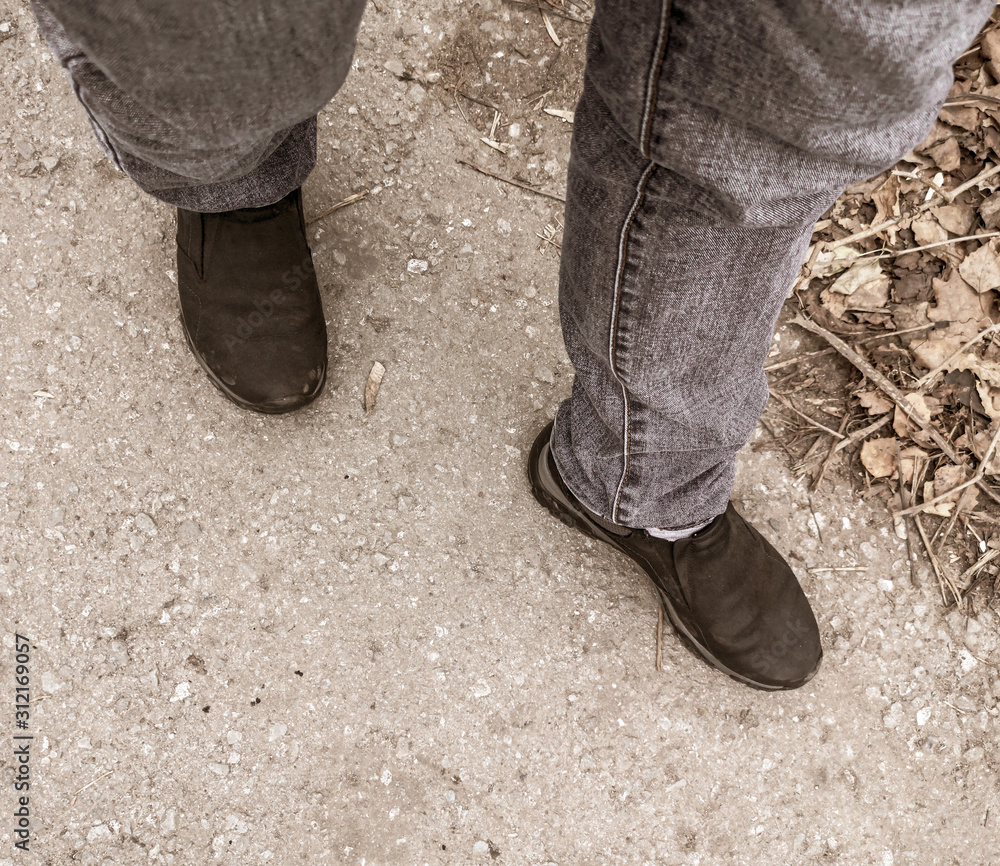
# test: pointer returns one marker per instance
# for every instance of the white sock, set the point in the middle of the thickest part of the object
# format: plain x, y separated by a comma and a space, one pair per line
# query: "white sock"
675, 534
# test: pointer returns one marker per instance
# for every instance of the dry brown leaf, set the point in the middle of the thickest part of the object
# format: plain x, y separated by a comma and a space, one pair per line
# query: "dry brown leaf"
989, 211
956, 218
930, 354
924, 406
927, 230
981, 268
879, 456
863, 284
372, 385
875, 402
961, 305
980, 442
991, 49
908, 458
947, 154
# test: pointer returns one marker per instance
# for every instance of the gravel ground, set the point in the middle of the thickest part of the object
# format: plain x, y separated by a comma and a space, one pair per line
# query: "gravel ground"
335, 637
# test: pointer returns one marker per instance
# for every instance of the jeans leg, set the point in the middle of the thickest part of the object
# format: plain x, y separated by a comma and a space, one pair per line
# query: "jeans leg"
206, 105
709, 138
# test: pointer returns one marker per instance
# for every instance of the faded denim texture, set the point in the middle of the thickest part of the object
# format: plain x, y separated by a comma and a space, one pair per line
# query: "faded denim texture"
207, 105
710, 136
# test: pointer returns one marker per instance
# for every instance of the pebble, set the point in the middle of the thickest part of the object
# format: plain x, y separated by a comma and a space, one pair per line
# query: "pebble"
51, 683
144, 523
895, 715
545, 374
277, 731
975, 754
50, 162
416, 266
101, 831
188, 531
480, 848
396, 67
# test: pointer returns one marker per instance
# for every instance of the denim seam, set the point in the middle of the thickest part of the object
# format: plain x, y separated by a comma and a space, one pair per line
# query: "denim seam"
613, 333
652, 83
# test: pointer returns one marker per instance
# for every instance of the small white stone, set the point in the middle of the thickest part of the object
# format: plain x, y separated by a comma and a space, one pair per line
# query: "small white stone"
416, 266
480, 848
277, 731
144, 523
481, 689
51, 683
181, 691
101, 831
895, 715
968, 660
923, 715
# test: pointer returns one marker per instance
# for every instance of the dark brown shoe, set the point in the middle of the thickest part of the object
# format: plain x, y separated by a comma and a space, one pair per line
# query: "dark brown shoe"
250, 304
726, 590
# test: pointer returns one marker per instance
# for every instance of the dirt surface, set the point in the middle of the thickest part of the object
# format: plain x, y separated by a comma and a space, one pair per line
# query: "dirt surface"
345, 638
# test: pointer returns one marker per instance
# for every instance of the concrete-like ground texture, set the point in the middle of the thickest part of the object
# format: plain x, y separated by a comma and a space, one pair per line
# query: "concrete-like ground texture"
338, 637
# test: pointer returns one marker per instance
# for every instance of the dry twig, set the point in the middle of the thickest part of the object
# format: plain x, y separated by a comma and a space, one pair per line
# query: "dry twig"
897, 396
516, 183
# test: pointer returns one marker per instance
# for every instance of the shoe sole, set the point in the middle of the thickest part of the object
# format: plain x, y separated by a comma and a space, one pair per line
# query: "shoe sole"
564, 511
236, 398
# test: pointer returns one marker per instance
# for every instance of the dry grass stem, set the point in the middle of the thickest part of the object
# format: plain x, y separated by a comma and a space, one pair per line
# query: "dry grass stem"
84, 788
351, 199
788, 405
659, 637
512, 182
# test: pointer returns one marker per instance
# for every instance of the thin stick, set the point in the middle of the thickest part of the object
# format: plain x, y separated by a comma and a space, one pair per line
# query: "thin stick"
483, 102
894, 393
349, 200
904, 500
516, 183
819, 530
893, 254
659, 638
978, 565
787, 403
839, 568
830, 454
949, 196
798, 359
942, 580
863, 433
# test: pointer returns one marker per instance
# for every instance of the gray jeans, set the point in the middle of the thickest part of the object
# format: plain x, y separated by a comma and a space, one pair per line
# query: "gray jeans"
709, 138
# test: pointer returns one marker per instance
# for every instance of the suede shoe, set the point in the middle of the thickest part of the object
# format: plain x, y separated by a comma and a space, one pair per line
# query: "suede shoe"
727, 591
250, 304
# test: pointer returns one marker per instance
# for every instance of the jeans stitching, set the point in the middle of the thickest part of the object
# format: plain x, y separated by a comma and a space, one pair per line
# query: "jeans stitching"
613, 333
652, 83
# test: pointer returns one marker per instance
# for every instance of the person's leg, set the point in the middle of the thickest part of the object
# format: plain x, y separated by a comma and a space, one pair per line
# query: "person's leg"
211, 106
206, 105
709, 139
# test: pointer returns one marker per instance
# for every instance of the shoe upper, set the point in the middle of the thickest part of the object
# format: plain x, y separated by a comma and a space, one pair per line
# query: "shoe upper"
250, 303
730, 593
